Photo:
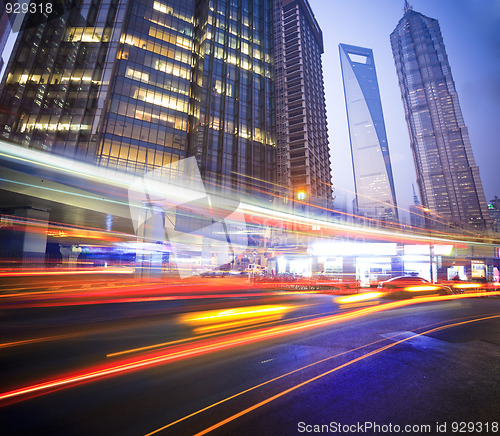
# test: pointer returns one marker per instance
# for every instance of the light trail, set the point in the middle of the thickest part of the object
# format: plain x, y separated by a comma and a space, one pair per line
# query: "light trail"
209, 346
225, 400
34, 340
204, 336
61, 273
326, 373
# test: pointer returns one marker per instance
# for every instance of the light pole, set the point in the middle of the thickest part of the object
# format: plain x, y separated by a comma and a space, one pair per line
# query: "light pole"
427, 211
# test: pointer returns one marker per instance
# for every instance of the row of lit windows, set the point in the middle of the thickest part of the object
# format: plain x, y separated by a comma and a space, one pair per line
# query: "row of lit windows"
168, 67
78, 76
170, 37
129, 152
170, 23
166, 9
163, 50
152, 115
160, 99
144, 77
87, 34
44, 125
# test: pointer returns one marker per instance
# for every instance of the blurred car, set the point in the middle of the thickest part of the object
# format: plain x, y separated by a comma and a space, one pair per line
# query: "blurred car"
411, 286
255, 269
214, 273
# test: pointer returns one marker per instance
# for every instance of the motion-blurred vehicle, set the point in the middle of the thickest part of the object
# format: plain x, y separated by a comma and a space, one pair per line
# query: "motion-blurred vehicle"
255, 269
467, 287
411, 286
215, 273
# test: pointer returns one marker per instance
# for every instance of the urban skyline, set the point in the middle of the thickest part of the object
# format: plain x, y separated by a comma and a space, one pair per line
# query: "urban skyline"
471, 40
383, 18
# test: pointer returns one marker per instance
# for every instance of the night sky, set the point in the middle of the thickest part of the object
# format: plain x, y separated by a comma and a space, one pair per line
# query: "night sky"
470, 30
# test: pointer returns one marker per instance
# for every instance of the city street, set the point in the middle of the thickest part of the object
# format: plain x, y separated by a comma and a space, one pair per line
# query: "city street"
249, 218
145, 367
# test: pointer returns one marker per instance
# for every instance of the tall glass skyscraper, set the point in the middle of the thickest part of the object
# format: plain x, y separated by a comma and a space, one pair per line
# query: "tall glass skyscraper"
447, 175
302, 139
140, 84
233, 129
374, 184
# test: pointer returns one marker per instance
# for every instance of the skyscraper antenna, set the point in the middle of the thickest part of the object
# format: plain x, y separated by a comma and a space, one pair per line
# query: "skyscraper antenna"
408, 7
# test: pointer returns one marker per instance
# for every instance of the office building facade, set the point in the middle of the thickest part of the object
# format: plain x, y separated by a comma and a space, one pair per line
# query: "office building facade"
447, 175
373, 180
303, 159
137, 85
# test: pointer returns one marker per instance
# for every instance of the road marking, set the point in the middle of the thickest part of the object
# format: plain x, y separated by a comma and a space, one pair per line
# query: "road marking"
357, 359
421, 342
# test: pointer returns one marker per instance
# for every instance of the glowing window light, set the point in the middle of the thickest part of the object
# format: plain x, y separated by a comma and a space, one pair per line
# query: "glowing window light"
160, 7
137, 75
60, 127
163, 100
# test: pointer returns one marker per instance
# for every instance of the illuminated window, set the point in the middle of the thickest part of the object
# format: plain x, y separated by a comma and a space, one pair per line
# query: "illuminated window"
84, 34
137, 75
160, 7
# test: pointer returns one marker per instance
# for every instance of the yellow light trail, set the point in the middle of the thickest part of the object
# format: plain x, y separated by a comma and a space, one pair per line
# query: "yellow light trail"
204, 336
209, 347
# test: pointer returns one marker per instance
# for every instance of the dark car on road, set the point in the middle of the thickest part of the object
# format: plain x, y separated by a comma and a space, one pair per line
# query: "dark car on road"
411, 286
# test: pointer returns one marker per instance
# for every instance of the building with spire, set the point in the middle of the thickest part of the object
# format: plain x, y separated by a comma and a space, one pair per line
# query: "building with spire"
447, 175
373, 180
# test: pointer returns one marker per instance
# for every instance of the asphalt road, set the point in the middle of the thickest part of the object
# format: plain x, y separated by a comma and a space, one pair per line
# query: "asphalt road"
138, 367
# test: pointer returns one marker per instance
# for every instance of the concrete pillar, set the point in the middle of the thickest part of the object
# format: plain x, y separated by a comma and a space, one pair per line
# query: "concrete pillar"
70, 255
150, 239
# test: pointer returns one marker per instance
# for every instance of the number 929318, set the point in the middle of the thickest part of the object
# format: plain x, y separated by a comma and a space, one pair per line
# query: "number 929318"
27, 7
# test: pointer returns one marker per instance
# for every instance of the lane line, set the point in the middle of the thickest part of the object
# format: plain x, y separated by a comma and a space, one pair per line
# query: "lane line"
211, 406
324, 374
232, 341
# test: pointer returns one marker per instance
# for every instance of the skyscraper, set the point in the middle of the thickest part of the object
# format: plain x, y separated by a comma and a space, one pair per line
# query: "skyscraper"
232, 129
140, 84
373, 181
447, 175
303, 161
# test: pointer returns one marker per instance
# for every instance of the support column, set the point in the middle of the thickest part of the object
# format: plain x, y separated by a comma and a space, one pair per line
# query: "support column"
150, 239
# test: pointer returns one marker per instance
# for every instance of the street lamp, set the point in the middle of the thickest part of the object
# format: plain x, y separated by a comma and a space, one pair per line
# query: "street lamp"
427, 212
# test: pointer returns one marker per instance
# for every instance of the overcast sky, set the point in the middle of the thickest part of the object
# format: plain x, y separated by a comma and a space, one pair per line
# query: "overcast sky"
471, 33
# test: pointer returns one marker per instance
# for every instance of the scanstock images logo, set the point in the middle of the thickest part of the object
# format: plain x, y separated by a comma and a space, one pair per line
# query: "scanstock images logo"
172, 212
